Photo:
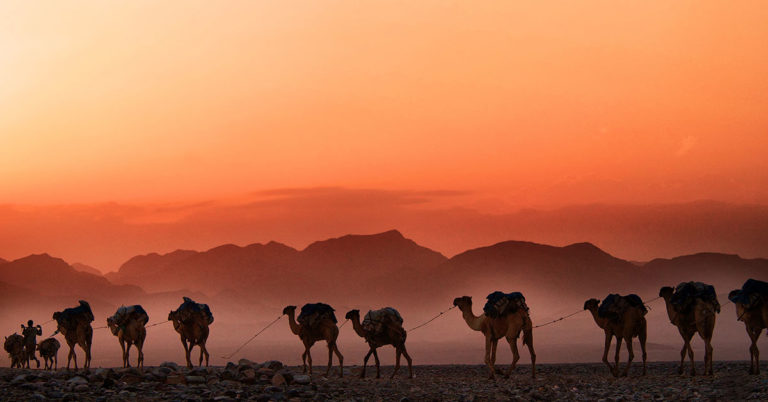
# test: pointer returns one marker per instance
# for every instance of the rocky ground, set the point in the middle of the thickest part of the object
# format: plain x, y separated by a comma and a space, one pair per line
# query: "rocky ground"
272, 381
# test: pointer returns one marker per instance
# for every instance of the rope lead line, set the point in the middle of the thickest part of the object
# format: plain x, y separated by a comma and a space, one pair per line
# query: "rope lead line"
559, 319
252, 338
432, 319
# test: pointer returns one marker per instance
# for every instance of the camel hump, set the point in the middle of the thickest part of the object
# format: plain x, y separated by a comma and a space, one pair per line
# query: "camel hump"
752, 294
126, 313
312, 313
687, 293
501, 304
375, 321
190, 308
614, 305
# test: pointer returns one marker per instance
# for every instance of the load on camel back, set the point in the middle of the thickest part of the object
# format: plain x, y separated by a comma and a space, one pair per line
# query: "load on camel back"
312, 313
686, 294
190, 308
71, 317
751, 295
125, 314
501, 304
377, 321
614, 306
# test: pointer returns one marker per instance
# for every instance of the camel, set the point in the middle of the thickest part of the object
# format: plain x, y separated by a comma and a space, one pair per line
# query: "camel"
128, 326
699, 316
495, 328
49, 351
14, 345
391, 333
191, 321
313, 327
626, 326
752, 309
30, 333
75, 324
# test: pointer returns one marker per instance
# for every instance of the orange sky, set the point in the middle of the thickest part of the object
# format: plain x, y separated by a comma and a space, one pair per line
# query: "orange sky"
524, 103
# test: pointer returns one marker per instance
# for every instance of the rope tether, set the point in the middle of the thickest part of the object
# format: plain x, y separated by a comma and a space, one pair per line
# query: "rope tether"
559, 319
343, 324
432, 319
252, 338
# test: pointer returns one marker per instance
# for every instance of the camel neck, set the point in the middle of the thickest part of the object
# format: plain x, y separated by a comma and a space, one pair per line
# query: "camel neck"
671, 311
598, 320
471, 319
358, 327
295, 327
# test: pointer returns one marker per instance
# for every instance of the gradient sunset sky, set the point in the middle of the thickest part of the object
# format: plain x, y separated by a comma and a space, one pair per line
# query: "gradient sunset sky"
500, 104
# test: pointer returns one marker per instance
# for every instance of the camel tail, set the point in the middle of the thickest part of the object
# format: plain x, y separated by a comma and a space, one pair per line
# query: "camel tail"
528, 332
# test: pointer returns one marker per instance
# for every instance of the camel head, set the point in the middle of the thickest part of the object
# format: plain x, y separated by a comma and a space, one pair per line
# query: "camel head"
591, 304
113, 326
666, 292
353, 315
289, 310
463, 302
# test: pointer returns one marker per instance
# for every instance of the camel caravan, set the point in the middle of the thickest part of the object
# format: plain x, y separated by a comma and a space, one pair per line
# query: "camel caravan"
692, 307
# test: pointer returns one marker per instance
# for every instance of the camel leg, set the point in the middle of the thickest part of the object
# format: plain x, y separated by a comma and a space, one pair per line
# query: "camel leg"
528, 340
630, 355
56, 361
618, 350
488, 347
330, 359
88, 344
494, 346
365, 361
73, 355
140, 360
606, 349
309, 360
186, 351
378, 363
408, 359
341, 359
200, 362
205, 351
708, 349
128, 355
642, 338
754, 352
690, 356
304, 361
397, 363
515, 355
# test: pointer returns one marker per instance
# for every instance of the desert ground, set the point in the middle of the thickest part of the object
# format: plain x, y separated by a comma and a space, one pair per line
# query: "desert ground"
272, 381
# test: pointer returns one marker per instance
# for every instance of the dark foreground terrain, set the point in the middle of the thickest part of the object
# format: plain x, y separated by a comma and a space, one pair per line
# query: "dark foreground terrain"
272, 381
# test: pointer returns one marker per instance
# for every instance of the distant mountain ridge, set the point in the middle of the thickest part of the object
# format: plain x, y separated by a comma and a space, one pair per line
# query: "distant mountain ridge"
380, 268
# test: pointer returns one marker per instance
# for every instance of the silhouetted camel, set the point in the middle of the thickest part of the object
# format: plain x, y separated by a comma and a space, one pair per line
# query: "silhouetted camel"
751, 303
128, 326
627, 325
695, 314
316, 323
14, 345
495, 328
191, 321
49, 351
381, 327
75, 324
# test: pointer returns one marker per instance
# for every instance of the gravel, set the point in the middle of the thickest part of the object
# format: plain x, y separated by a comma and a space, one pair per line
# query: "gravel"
273, 381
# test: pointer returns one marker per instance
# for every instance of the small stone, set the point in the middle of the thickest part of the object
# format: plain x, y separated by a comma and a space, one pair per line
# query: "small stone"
170, 365
301, 379
81, 388
175, 379
195, 379
279, 381
274, 365
77, 380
